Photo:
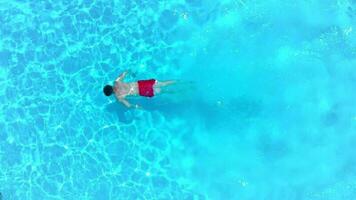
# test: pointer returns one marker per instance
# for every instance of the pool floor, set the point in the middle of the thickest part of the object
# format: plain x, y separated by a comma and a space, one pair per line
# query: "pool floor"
269, 113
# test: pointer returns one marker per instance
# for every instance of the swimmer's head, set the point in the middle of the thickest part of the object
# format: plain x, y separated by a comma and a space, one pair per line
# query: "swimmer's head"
108, 90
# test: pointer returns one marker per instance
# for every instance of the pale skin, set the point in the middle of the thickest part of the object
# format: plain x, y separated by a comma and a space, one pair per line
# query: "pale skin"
123, 90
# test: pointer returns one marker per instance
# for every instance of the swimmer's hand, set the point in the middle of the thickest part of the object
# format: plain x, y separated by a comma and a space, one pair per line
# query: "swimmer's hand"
134, 106
138, 106
122, 76
128, 105
132, 73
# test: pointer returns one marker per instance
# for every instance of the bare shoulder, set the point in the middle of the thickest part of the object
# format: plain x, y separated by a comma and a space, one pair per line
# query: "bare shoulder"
118, 88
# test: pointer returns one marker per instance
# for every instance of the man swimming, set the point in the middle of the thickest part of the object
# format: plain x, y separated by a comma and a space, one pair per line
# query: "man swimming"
147, 88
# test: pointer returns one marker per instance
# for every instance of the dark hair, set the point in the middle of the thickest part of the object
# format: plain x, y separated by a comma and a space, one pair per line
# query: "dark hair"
108, 90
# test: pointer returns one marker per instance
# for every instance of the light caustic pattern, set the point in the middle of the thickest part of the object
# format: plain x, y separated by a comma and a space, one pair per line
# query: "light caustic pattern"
60, 137
273, 116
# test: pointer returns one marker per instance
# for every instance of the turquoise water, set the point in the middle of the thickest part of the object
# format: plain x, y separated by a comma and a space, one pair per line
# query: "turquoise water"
272, 114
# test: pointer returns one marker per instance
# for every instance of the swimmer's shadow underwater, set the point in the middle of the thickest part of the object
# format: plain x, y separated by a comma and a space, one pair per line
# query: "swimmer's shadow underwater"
229, 114
153, 104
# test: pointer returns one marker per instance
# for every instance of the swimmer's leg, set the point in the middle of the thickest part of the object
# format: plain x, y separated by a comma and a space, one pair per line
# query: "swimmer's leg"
160, 84
164, 83
173, 87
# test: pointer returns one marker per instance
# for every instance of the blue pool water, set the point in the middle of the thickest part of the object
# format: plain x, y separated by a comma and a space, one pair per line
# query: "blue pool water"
272, 113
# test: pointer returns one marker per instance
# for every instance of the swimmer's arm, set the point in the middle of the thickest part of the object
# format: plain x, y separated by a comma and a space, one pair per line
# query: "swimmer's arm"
122, 76
125, 102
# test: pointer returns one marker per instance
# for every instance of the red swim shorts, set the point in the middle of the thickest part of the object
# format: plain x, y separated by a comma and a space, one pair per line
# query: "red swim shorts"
145, 87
